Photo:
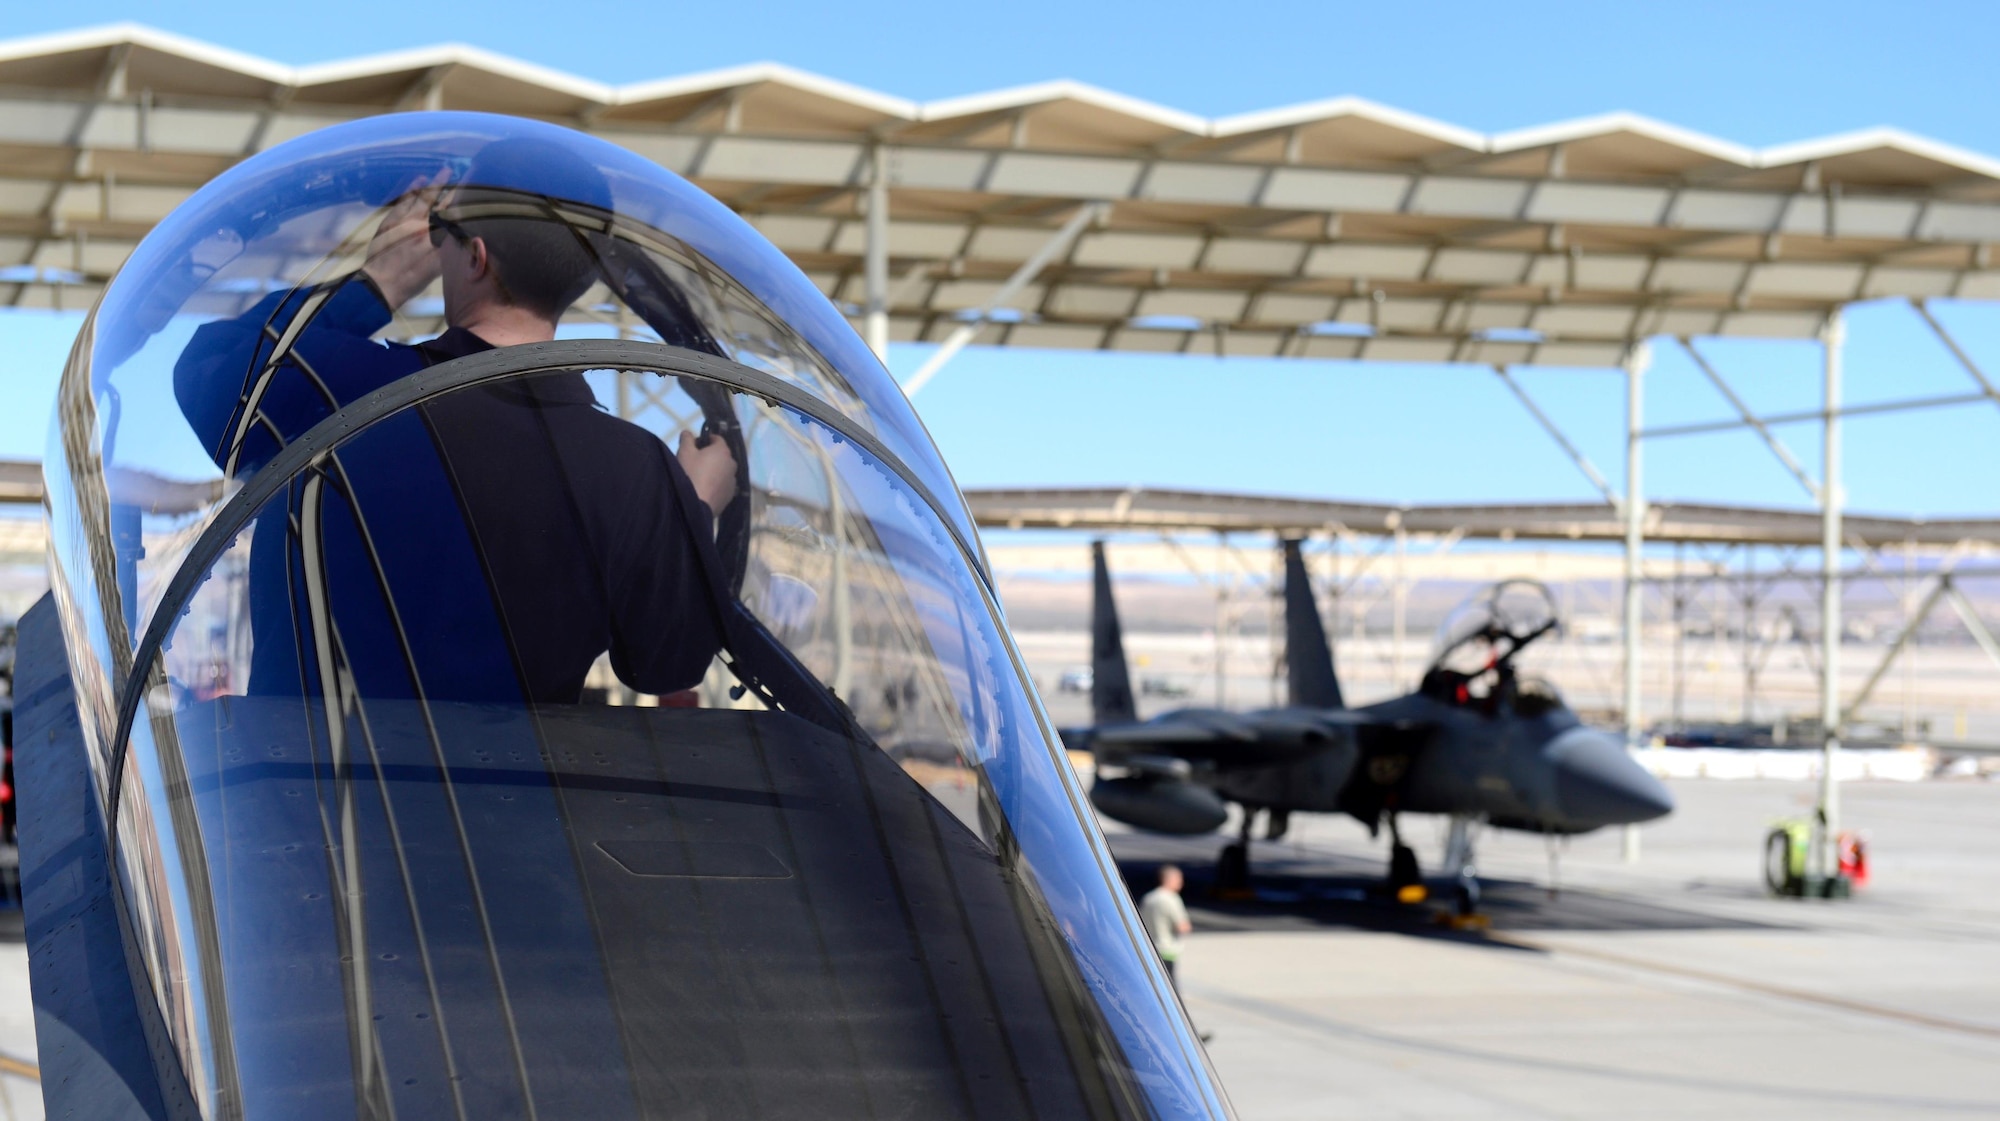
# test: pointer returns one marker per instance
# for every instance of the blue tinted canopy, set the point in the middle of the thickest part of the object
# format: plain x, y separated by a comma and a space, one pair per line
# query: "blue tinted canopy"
536, 664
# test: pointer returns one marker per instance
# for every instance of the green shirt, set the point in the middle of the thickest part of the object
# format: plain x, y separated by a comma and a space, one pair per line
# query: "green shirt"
1164, 913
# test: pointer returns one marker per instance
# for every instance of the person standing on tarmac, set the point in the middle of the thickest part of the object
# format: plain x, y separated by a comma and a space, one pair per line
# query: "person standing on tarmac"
1166, 918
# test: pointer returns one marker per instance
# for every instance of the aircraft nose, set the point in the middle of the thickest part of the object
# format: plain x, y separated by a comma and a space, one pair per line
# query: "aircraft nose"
1599, 783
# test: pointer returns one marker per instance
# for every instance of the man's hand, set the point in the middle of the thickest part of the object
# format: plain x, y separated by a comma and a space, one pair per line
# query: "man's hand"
710, 468
401, 261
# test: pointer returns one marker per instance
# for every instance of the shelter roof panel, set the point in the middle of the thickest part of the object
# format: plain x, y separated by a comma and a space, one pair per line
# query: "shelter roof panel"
1348, 130
1329, 346
761, 98
1057, 336
760, 75
1627, 144
1114, 509
478, 74
1229, 233
1290, 308
376, 90
1150, 340
90, 59
491, 91
1251, 344
1060, 115
71, 69
1978, 286
1885, 157
168, 72
1633, 154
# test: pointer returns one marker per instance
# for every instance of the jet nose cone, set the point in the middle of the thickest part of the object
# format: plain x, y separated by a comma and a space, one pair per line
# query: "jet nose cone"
1598, 782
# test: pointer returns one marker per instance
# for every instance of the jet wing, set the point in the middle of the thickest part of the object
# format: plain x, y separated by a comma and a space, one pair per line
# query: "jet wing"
1233, 738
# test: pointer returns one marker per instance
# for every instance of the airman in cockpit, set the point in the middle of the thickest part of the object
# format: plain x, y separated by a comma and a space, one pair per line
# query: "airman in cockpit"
528, 477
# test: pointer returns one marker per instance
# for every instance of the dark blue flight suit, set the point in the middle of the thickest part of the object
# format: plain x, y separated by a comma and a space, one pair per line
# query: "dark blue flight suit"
521, 506
477, 554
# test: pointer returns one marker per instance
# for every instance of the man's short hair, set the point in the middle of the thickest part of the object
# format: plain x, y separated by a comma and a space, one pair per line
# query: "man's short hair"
1168, 871
542, 264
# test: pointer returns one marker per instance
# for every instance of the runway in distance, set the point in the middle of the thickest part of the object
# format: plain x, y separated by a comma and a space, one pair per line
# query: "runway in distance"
1477, 741
579, 694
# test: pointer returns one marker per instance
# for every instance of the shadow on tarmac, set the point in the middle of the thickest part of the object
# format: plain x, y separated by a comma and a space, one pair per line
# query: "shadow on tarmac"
1295, 888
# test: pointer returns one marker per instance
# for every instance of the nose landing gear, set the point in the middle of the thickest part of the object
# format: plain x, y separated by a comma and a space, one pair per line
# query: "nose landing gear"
1406, 876
1463, 865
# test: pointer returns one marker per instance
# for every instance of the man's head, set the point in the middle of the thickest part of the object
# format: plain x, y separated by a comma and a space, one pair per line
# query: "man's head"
501, 242
1170, 877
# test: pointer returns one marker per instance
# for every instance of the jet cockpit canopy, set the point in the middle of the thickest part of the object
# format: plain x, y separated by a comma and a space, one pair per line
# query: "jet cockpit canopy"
1495, 624
535, 663
1479, 642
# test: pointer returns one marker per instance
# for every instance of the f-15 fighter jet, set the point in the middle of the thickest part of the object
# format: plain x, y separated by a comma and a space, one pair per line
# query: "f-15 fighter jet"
1476, 741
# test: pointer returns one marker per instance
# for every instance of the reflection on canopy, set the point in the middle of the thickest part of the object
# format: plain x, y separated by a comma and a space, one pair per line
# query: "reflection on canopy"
541, 726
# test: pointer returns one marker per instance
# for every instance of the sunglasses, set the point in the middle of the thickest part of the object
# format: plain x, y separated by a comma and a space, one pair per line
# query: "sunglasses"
441, 226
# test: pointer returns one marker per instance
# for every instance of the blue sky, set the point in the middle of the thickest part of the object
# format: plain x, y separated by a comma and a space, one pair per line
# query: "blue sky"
1753, 73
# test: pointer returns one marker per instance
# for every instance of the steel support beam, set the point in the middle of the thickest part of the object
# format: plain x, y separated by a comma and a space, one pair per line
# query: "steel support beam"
1399, 604
1827, 854
1985, 383
875, 262
1055, 247
1973, 623
1902, 641
1699, 428
1576, 456
1751, 419
1637, 358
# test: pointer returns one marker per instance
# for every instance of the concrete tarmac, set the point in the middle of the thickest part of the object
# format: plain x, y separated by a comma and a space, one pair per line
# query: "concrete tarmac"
20, 1084
1669, 988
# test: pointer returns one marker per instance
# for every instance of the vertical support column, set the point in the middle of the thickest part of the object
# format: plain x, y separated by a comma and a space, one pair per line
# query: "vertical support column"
1825, 852
1221, 624
1909, 597
1680, 637
875, 261
1749, 600
1636, 361
1399, 605
1274, 624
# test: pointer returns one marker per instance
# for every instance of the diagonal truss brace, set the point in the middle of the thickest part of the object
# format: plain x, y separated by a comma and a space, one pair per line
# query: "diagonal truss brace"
1751, 419
1555, 432
1985, 383
1054, 248
1974, 624
1943, 588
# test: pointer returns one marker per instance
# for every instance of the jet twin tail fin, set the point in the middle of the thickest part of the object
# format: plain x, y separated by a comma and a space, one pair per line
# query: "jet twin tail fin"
1308, 658
1110, 680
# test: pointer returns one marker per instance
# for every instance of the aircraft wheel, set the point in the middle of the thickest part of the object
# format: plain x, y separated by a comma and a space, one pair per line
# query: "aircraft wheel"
1403, 868
1466, 897
1232, 869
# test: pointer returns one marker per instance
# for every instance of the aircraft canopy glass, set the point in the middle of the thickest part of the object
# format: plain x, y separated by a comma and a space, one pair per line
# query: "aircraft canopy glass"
538, 666
1495, 623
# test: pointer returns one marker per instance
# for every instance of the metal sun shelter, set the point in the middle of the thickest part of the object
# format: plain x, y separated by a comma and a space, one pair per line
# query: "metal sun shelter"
1061, 215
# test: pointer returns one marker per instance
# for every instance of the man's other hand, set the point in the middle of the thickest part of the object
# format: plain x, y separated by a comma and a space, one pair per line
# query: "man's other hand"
710, 467
401, 261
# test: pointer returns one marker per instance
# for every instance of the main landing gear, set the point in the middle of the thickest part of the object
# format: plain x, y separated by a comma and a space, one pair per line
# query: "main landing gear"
1406, 876
1463, 867
1232, 867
